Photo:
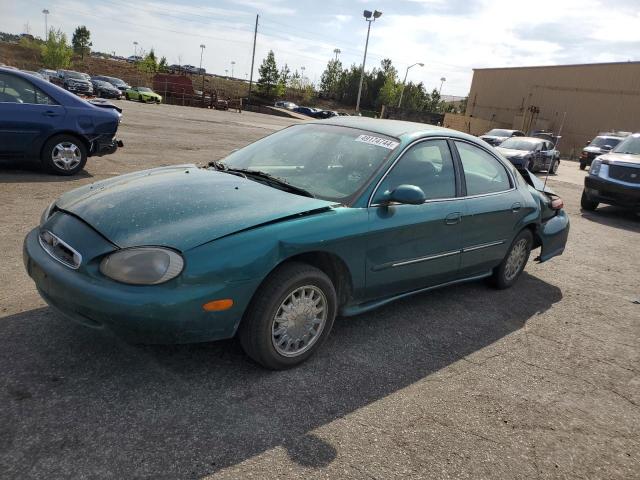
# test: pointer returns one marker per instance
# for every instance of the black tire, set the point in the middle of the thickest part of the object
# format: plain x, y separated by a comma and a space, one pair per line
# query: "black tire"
46, 156
587, 203
553, 169
255, 332
583, 165
503, 277
126, 96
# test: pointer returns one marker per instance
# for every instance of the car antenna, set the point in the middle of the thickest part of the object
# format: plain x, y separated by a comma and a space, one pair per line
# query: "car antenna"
555, 147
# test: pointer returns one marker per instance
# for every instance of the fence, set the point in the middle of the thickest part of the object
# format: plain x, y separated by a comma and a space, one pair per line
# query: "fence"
469, 124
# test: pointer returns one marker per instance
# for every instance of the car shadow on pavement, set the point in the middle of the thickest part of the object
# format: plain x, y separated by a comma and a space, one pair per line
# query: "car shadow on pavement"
616, 217
77, 402
25, 172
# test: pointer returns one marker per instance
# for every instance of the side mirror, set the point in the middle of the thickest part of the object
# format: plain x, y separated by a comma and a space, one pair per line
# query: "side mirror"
606, 148
407, 194
588, 142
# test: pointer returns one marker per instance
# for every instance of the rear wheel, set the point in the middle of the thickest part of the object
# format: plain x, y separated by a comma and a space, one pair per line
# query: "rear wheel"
507, 273
64, 155
587, 203
290, 316
583, 165
554, 167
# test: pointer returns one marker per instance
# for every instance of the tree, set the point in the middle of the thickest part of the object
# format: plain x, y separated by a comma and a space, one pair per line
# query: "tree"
162, 65
56, 53
81, 41
433, 102
269, 76
330, 79
388, 94
149, 64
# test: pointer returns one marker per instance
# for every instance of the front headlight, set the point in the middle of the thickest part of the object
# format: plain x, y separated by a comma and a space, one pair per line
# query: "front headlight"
142, 265
47, 213
595, 167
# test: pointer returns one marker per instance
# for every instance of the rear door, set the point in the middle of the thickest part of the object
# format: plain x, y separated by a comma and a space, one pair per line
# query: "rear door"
493, 206
415, 246
27, 116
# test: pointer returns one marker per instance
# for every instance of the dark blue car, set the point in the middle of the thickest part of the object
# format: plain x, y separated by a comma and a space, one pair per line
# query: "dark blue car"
43, 122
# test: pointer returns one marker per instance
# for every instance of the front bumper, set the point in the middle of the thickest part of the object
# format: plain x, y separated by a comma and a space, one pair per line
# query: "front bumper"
553, 235
612, 192
160, 314
83, 89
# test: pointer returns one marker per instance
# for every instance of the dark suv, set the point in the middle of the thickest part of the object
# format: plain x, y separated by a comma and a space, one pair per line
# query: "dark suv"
72, 81
603, 143
614, 178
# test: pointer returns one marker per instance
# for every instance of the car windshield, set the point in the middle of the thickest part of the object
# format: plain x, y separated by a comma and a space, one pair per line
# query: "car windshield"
602, 141
144, 89
630, 145
331, 162
116, 81
77, 75
496, 132
515, 143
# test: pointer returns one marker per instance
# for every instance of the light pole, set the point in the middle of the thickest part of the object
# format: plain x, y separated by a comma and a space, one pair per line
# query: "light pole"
303, 82
46, 26
232, 65
202, 47
135, 49
404, 82
337, 51
442, 80
369, 17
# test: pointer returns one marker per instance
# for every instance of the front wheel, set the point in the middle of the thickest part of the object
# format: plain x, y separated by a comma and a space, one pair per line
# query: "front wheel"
64, 155
127, 97
289, 317
587, 203
554, 167
507, 273
583, 165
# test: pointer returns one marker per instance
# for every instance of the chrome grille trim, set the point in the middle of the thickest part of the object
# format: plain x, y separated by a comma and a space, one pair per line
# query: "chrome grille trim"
55, 247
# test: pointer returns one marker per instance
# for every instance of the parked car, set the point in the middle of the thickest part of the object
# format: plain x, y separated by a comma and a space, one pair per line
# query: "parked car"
322, 114
103, 89
221, 104
603, 143
529, 153
142, 94
134, 59
72, 81
41, 121
309, 111
614, 178
47, 73
498, 135
323, 218
285, 104
36, 74
116, 82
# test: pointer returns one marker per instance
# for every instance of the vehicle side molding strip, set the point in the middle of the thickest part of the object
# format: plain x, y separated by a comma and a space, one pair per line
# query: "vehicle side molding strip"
482, 245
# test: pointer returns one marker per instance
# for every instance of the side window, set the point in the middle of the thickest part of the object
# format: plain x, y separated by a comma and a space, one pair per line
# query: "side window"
427, 165
17, 90
482, 172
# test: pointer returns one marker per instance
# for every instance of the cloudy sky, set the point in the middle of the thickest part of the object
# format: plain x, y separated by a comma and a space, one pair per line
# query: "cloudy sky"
451, 37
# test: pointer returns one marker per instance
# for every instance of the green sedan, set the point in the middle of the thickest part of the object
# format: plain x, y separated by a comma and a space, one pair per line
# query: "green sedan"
142, 94
271, 243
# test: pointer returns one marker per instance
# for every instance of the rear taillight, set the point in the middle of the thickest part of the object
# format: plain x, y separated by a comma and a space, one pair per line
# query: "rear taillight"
557, 203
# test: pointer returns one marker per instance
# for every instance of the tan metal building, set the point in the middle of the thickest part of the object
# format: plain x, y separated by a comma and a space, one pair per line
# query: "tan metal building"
595, 97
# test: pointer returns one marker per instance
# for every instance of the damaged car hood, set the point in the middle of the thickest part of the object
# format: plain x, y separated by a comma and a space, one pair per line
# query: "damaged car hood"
180, 206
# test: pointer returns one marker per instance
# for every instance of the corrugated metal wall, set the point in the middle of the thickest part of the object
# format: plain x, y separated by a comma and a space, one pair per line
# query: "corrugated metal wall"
595, 97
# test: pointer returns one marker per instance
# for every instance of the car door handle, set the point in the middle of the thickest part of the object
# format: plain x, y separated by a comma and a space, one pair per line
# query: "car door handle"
50, 113
453, 218
515, 207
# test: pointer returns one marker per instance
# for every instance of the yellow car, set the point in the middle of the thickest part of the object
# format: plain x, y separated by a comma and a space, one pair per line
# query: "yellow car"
142, 94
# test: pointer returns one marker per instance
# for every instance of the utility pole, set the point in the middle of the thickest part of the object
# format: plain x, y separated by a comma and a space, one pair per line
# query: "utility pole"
46, 26
232, 65
202, 47
337, 51
370, 18
253, 57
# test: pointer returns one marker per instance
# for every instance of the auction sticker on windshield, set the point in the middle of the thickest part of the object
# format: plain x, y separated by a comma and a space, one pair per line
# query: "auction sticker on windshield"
381, 142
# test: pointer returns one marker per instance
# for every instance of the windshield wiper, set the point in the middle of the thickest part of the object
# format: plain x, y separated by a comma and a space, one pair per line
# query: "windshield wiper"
267, 177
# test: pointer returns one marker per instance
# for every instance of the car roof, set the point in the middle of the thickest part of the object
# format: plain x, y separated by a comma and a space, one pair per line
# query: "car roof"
532, 139
393, 128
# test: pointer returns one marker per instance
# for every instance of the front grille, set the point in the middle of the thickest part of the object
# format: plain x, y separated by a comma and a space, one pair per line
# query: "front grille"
59, 250
624, 174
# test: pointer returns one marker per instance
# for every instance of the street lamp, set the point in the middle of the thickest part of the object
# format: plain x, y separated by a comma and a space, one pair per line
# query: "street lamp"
369, 17
405, 81
135, 49
442, 80
337, 51
46, 27
232, 65
202, 47
303, 82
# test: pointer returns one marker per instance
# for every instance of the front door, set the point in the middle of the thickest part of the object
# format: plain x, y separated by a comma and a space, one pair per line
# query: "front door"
415, 246
27, 115
493, 209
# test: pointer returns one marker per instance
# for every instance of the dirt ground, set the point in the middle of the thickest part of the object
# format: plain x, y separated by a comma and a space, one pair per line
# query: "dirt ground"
539, 381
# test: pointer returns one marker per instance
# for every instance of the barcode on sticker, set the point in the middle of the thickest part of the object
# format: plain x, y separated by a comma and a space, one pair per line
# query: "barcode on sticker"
381, 142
